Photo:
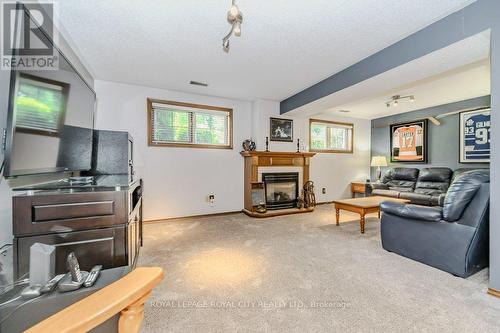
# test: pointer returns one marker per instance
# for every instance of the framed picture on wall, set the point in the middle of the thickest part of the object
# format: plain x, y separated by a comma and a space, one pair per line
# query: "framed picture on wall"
281, 130
409, 142
475, 136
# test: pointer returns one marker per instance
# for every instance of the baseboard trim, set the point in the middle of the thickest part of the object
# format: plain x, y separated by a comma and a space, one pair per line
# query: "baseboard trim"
170, 219
493, 292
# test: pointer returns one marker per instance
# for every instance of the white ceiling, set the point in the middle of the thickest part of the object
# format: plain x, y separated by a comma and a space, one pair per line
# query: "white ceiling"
456, 85
285, 46
457, 72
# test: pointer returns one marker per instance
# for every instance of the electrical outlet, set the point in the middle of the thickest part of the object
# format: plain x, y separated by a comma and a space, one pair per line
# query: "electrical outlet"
211, 199
323, 190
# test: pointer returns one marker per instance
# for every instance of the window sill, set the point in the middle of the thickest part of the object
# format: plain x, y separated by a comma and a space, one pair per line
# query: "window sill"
188, 145
331, 151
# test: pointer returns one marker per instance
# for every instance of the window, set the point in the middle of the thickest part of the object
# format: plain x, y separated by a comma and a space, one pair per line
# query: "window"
39, 105
330, 136
189, 125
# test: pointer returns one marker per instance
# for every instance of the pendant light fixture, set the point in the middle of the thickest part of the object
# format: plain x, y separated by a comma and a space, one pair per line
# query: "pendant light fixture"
235, 18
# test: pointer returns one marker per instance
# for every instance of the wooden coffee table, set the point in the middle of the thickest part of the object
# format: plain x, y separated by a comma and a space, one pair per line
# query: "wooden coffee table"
362, 206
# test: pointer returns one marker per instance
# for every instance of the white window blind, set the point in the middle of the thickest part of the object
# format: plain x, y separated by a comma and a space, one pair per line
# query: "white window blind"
331, 136
193, 126
39, 106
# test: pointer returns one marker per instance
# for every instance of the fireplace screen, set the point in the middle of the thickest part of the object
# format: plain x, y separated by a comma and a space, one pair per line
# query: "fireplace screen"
281, 190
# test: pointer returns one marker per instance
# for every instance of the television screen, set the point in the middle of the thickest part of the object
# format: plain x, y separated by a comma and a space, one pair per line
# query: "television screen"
50, 121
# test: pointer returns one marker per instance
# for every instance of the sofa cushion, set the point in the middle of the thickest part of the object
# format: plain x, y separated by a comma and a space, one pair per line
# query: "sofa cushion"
386, 193
415, 212
433, 181
401, 179
461, 192
439, 175
410, 174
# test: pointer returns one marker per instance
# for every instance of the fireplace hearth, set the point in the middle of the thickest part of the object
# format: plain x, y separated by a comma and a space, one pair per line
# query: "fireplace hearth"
281, 189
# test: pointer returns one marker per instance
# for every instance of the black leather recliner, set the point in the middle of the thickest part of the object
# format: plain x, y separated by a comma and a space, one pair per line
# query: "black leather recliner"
454, 237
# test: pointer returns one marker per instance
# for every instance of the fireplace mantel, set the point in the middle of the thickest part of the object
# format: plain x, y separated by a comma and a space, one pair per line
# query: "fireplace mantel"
255, 159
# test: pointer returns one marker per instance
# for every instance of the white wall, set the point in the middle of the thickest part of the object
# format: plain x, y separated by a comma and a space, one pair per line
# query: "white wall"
331, 171
179, 180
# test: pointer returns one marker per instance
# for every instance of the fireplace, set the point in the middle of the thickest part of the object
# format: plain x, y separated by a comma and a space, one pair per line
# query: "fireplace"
281, 189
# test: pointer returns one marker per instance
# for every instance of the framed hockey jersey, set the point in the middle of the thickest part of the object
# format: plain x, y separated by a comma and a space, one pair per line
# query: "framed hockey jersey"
409, 142
475, 136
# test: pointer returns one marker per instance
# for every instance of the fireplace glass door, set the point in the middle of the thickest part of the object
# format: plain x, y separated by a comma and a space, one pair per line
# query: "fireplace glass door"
281, 190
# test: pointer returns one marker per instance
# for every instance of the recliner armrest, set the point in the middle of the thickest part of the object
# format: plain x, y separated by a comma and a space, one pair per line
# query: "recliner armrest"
416, 212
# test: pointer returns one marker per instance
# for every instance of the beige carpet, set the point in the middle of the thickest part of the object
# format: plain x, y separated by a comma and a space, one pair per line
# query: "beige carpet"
301, 273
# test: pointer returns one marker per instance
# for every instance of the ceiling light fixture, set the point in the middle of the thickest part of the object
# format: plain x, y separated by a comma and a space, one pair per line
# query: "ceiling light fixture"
396, 98
235, 18
198, 83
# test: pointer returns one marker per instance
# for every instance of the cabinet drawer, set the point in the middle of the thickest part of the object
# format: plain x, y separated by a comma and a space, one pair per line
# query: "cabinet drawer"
105, 247
53, 213
358, 188
72, 210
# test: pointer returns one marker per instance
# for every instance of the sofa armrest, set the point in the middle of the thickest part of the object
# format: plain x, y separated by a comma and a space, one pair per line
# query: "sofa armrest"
415, 212
374, 186
441, 199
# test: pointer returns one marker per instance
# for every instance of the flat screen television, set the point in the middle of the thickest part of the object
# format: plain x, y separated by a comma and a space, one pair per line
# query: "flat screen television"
50, 120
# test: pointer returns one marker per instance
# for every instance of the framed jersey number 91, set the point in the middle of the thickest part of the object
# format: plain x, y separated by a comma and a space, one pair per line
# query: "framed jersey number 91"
475, 136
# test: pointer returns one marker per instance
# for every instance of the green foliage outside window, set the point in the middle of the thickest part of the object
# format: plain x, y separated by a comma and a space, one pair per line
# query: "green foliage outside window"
38, 107
179, 126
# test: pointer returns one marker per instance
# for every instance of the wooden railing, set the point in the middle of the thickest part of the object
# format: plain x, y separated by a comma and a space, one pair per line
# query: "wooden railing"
125, 296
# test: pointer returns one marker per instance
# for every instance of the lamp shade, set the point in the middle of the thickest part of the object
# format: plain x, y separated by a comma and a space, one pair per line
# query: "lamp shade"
379, 161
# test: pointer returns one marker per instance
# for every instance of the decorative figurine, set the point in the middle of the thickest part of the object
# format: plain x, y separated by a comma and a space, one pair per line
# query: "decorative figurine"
300, 202
261, 209
248, 145
267, 143
309, 198
298, 145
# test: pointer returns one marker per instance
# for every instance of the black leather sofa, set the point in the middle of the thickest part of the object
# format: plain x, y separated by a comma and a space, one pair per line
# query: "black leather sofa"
454, 237
426, 186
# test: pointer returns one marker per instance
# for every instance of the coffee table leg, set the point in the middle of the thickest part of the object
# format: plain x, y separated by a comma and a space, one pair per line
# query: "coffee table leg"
337, 215
362, 222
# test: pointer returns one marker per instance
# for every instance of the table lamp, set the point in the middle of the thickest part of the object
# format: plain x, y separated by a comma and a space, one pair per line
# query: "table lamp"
379, 161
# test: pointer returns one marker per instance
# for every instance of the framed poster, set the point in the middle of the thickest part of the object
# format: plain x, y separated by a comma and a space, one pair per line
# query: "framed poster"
475, 136
409, 142
281, 130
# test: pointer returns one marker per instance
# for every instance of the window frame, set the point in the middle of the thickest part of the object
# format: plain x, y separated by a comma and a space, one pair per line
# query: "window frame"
152, 143
333, 151
64, 101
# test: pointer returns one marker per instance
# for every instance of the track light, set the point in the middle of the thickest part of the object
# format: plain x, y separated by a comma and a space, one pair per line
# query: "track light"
234, 11
396, 98
237, 29
235, 18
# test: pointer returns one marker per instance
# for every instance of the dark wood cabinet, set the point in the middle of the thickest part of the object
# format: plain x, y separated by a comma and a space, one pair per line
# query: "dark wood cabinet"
105, 247
101, 225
